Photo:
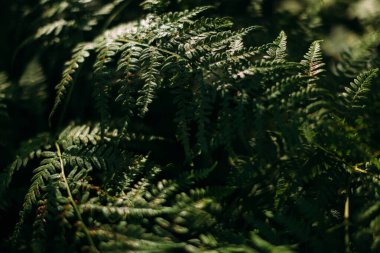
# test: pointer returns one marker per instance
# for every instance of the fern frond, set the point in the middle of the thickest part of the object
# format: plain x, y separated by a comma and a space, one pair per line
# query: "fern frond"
79, 135
126, 212
184, 16
54, 28
33, 81
278, 50
155, 5
359, 57
150, 62
208, 139
355, 94
129, 60
313, 61
28, 151
80, 53
183, 101
4, 85
48, 167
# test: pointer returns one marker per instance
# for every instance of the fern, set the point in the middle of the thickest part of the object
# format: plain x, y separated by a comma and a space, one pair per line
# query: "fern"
154, 5
150, 61
359, 57
313, 60
278, 51
186, 130
3, 95
29, 150
355, 94
80, 53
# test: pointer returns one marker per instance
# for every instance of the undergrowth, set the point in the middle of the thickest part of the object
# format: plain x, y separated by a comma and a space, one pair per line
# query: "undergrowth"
178, 130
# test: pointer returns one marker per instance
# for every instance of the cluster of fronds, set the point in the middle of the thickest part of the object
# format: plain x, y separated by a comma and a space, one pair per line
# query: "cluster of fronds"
190, 136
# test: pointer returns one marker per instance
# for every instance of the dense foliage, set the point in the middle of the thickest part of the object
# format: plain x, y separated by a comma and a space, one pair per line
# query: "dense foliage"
171, 126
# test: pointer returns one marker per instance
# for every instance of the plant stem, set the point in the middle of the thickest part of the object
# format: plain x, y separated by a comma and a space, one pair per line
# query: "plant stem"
71, 199
346, 224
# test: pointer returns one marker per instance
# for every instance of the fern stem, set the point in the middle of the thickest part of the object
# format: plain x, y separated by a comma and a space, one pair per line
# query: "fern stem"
147, 45
71, 199
346, 224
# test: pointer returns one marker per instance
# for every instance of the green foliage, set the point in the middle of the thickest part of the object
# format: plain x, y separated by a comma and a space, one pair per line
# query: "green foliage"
175, 129
3, 95
80, 52
357, 92
278, 51
313, 60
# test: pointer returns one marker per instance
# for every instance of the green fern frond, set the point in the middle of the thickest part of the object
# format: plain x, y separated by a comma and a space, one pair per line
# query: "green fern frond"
184, 16
150, 62
313, 61
49, 166
126, 212
79, 135
206, 138
356, 93
359, 57
183, 118
154, 5
54, 28
80, 53
278, 50
28, 151
129, 59
4, 85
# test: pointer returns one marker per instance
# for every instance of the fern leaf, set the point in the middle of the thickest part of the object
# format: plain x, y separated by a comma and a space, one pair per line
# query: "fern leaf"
356, 93
129, 60
41, 175
278, 50
80, 53
155, 5
313, 61
126, 212
54, 28
184, 16
4, 85
28, 151
150, 61
183, 118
